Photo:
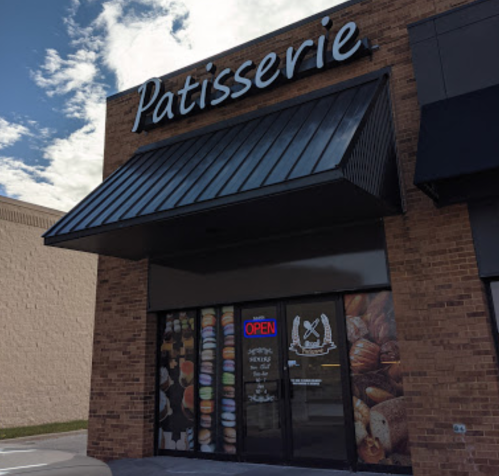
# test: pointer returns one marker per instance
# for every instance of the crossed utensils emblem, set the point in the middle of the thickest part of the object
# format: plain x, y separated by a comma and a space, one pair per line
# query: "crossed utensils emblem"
313, 349
311, 328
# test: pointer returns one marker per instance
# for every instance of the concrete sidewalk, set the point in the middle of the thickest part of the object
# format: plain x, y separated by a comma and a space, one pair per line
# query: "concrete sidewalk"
170, 466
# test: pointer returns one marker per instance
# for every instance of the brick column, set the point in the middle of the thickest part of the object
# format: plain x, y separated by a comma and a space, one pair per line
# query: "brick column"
121, 423
448, 353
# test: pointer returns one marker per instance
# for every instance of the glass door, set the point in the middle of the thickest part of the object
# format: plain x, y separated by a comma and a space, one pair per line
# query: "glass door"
316, 389
262, 384
293, 382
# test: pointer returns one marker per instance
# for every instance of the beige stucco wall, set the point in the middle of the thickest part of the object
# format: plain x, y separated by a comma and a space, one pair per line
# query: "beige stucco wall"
47, 304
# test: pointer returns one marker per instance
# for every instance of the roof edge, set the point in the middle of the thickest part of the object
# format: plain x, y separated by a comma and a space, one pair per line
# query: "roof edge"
443, 14
33, 207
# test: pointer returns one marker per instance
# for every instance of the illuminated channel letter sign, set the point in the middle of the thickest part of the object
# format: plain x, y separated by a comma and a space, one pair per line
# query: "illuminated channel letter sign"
158, 106
260, 328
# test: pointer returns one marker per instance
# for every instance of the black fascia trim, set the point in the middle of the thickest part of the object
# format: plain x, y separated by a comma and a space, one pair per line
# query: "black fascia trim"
447, 12
290, 186
242, 46
344, 85
274, 238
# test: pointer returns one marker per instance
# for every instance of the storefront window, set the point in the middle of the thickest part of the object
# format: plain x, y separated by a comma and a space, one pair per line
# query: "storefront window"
217, 388
378, 396
287, 402
207, 380
176, 401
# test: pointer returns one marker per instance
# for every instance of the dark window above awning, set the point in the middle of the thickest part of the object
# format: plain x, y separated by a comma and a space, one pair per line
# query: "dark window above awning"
316, 160
458, 150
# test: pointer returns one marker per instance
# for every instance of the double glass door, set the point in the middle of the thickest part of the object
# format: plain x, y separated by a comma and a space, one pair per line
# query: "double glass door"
294, 382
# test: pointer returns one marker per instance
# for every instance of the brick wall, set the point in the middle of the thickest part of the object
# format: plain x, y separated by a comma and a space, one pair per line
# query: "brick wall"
448, 353
123, 370
47, 299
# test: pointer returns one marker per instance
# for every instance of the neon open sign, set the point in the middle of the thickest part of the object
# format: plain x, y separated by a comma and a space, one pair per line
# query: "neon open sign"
260, 328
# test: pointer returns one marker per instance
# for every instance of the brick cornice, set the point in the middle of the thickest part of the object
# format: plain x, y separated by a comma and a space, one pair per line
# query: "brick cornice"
28, 214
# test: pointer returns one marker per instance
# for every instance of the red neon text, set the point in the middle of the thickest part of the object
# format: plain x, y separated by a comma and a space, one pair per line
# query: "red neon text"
259, 328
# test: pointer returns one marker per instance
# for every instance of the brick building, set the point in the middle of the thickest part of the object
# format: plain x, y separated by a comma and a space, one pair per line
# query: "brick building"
47, 309
303, 272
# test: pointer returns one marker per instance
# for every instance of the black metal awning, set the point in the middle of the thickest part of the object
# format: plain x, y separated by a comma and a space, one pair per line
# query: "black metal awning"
458, 150
313, 161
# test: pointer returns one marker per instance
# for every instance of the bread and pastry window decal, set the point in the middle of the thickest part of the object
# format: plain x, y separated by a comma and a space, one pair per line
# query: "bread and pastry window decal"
381, 429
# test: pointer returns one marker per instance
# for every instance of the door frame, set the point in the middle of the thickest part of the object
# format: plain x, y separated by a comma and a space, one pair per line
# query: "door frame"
285, 384
346, 389
240, 385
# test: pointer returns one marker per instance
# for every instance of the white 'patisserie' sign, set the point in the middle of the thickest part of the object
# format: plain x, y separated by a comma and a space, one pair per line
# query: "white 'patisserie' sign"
157, 105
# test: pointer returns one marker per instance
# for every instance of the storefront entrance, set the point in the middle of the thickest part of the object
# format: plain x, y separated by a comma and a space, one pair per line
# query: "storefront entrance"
310, 381
293, 382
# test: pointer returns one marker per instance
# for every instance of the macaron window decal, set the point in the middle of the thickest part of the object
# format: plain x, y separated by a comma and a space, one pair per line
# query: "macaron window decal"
228, 402
217, 392
207, 381
176, 382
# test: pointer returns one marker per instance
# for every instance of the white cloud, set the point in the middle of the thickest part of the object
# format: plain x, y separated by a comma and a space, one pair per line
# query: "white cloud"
11, 133
61, 76
133, 44
139, 47
73, 164
74, 168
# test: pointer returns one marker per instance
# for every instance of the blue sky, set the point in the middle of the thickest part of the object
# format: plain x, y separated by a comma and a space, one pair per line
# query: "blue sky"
61, 58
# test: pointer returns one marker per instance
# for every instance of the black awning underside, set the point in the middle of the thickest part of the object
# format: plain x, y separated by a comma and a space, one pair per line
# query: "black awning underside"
320, 159
458, 149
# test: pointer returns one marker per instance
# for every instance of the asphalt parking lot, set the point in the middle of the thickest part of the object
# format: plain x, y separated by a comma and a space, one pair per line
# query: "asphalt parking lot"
73, 442
50, 455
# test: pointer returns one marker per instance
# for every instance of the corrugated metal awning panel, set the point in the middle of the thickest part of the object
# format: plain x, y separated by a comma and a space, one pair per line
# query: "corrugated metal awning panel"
285, 156
295, 142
